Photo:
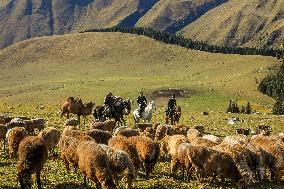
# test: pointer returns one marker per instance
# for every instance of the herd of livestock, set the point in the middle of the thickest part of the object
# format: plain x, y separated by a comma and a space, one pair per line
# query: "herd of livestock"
106, 154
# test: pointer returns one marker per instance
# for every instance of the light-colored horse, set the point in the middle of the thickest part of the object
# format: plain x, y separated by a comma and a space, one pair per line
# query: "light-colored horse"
146, 115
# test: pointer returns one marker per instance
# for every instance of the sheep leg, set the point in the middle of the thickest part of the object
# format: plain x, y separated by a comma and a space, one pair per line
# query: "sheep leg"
174, 167
38, 180
66, 164
85, 181
21, 182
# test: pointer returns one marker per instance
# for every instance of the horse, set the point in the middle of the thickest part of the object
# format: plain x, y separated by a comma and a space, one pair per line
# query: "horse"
120, 108
146, 115
174, 116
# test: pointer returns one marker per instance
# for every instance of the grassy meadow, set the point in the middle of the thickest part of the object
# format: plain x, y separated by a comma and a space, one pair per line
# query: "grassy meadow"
37, 75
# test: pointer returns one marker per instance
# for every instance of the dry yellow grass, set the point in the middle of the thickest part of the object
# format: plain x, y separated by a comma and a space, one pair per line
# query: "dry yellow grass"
253, 23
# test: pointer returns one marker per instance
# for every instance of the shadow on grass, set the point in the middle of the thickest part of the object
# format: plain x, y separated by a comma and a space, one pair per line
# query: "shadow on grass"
8, 187
71, 185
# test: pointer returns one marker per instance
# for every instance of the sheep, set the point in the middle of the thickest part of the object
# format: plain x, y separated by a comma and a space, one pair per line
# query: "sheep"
273, 156
203, 142
119, 163
68, 145
143, 126
2, 121
182, 160
263, 129
6, 119
174, 143
212, 138
100, 136
208, 161
33, 124
16, 135
148, 151
71, 122
179, 129
16, 122
94, 164
200, 128
33, 154
235, 139
127, 132
192, 134
241, 157
3, 132
107, 125
50, 136
164, 146
162, 131
148, 132
243, 131
121, 143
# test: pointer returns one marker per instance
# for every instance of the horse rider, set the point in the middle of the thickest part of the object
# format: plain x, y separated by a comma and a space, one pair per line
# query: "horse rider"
109, 102
142, 102
171, 105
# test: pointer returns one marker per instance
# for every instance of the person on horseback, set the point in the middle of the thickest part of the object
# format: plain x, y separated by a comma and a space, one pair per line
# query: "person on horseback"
171, 106
109, 103
142, 103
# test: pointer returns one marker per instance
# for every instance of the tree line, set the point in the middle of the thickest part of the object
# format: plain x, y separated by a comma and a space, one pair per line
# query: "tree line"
273, 86
179, 40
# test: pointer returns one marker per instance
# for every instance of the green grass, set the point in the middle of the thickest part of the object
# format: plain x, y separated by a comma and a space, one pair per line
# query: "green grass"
49, 69
54, 174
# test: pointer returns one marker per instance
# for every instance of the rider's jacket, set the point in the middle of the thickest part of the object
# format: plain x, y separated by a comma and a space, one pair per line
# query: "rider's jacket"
142, 101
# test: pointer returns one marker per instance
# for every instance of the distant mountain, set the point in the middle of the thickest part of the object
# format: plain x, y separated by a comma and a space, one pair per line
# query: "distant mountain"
174, 15
24, 19
253, 23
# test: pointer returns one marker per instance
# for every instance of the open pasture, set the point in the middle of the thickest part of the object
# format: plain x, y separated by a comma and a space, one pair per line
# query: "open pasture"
54, 174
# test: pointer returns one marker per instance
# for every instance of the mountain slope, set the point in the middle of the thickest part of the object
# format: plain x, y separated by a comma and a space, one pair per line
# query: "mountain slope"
48, 69
24, 19
254, 23
173, 15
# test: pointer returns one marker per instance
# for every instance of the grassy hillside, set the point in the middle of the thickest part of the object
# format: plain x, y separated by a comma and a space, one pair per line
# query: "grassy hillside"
49, 69
254, 23
24, 19
174, 15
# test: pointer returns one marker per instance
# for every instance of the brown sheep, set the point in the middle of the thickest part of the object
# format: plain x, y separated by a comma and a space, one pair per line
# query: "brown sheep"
127, 132
192, 134
162, 131
179, 129
243, 131
107, 125
16, 135
143, 126
209, 162
100, 136
174, 142
273, 156
241, 157
120, 163
121, 143
33, 154
148, 132
182, 160
94, 164
68, 144
200, 128
51, 137
3, 132
148, 151
77, 107
164, 147
203, 142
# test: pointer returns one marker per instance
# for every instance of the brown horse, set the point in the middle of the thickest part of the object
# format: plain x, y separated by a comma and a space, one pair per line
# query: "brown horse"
174, 116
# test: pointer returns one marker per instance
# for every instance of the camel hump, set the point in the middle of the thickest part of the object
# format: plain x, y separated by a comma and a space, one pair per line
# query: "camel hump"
78, 100
70, 99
